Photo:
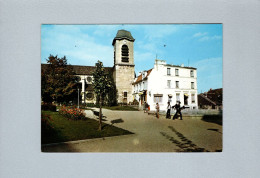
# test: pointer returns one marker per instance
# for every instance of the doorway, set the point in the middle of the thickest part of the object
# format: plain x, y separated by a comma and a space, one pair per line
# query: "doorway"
186, 99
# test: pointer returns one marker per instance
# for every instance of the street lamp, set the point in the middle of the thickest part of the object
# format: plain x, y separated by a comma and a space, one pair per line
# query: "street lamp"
78, 97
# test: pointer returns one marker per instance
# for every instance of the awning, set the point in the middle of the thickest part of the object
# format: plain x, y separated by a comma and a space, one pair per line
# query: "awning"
186, 94
158, 95
170, 95
140, 93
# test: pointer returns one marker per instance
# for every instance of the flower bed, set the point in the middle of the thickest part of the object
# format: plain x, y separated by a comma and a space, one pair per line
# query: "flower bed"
72, 113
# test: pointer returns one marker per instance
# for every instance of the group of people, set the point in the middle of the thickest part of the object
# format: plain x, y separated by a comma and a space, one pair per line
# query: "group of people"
177, 106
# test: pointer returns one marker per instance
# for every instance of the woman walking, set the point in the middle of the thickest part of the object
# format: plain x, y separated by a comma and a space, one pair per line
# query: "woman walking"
168, 114
157, 110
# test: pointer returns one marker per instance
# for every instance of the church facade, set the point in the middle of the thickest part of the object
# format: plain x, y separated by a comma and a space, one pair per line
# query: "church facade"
123, 70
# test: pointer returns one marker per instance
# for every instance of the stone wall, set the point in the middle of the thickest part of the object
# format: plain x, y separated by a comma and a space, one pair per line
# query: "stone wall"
124, 76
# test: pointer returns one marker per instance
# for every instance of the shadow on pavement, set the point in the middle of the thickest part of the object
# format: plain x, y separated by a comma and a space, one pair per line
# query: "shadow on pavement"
217, 119
185, 145
96, 113
116, 121
216, 130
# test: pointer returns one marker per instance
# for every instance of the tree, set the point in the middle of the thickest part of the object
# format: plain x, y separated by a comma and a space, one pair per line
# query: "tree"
59, 82
112, 96
101, 85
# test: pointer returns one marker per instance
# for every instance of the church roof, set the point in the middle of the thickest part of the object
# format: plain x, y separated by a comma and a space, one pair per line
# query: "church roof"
123, 34
83, 70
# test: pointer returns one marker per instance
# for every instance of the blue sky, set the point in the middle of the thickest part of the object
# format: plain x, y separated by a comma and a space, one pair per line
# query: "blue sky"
195, 45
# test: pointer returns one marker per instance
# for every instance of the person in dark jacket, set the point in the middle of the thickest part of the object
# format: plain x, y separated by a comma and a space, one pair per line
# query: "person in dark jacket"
178, 108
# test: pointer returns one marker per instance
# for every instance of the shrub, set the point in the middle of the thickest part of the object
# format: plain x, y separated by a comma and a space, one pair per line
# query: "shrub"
48, 107
72, 113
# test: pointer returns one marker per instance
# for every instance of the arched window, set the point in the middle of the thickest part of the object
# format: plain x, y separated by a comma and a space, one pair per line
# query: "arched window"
90, 96
125, 53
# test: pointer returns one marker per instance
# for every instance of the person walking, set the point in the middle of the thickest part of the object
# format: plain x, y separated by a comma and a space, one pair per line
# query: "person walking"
178, 108
144, 107
157, 110
168, 114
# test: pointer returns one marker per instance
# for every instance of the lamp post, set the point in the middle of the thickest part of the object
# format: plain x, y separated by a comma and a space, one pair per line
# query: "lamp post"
78, 97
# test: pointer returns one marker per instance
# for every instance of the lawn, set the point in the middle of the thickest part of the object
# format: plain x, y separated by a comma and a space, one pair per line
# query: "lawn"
63, 130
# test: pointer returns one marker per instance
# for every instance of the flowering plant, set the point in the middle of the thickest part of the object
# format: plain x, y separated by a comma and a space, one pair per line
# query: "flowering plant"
72, 113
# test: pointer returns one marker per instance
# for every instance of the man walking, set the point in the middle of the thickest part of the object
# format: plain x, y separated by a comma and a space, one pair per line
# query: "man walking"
178, 108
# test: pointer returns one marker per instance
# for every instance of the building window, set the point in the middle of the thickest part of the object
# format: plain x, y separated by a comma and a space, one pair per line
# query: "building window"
177, 97
193, 98
89, 96
168, 71
192, 85
125, 53
89, 79
177, 84
176, 72
125, 94
186, 97
191, 73
168, 83
170, 98
158, 98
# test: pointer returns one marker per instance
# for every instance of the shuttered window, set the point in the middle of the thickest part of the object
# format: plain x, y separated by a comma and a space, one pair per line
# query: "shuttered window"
125, 53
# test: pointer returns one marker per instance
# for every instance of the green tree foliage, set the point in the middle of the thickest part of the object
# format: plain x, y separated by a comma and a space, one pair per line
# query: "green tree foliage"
59, 82
101, 84
111, 98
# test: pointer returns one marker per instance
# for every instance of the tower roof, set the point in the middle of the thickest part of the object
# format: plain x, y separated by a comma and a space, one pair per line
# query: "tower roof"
123, 34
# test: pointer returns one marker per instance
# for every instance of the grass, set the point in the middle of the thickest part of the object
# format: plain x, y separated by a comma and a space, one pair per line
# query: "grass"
63, 130
121, 108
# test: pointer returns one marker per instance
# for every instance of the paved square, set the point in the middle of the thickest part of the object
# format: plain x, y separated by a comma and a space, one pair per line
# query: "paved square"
150, 135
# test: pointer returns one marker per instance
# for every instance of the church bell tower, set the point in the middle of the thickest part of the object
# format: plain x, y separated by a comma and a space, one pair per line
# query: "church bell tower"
124, 68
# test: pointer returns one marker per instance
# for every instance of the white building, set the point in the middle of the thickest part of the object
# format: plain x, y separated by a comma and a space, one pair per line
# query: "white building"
165, 83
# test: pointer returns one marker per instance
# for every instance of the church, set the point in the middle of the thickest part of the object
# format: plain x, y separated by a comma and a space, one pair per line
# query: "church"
162, 84
123, 70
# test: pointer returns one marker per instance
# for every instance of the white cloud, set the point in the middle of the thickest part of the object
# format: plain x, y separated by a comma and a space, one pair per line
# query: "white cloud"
199, 34
146, 56
106, 30
155, 32
77, 46
207, 38
145, 46
203, 36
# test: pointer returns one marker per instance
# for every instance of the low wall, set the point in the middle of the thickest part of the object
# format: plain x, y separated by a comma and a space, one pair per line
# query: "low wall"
196, 112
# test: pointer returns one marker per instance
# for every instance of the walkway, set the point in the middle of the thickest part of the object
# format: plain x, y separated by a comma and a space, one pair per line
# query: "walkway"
151, 135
